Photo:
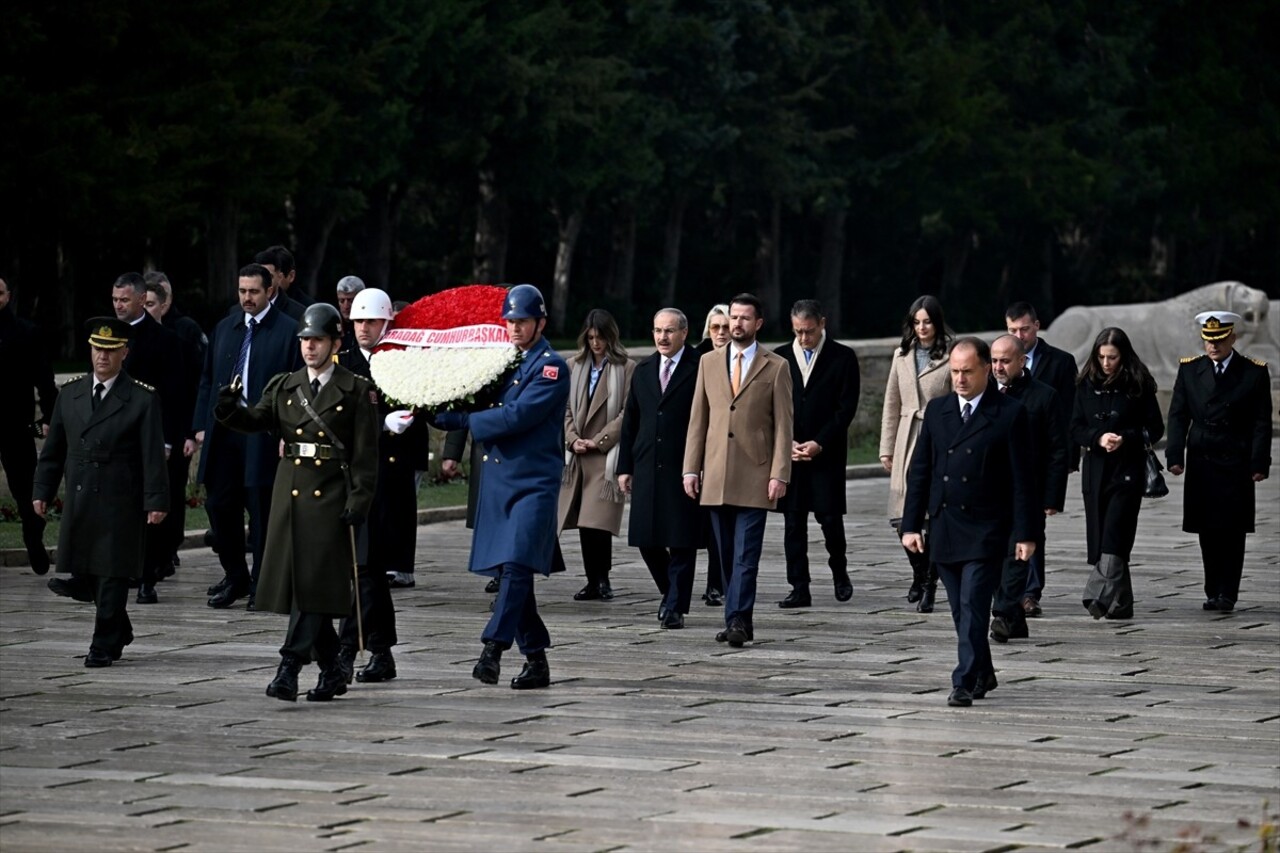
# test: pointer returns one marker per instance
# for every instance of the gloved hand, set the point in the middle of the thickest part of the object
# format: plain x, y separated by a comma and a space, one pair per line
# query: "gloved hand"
228, 397
398, 421
351, 518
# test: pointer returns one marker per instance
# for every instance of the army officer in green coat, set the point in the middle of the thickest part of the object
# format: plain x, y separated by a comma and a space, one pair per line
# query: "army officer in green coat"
327, 417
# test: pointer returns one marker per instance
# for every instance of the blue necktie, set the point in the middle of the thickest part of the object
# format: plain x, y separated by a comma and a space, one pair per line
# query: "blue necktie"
243, 360
966, 412
808, 356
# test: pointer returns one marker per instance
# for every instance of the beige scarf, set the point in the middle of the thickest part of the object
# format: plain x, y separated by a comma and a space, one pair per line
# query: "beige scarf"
579, 382
807, 367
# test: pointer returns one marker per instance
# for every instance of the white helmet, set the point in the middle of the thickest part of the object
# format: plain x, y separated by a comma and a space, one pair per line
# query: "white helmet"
372, 304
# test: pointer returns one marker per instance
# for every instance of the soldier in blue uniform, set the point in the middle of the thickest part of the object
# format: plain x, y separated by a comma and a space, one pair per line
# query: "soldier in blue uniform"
1220, 434
521, 463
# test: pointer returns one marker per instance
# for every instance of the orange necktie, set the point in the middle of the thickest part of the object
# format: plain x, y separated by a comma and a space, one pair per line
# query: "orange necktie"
737, 373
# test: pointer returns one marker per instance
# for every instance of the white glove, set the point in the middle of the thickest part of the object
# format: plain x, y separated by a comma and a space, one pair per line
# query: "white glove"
399, 421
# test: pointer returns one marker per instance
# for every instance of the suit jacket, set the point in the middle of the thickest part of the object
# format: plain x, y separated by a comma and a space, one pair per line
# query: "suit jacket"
655, 427
739, 444
156, 359
1049, 440
1057, 369
1220, 430
307, 558
823, 410
522, 443
975, 480
113, 458
274, 350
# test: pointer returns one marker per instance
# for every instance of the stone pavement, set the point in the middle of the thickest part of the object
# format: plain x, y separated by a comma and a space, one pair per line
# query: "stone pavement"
831, 732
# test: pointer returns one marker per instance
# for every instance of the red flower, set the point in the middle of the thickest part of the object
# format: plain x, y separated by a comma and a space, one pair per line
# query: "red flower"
469, 305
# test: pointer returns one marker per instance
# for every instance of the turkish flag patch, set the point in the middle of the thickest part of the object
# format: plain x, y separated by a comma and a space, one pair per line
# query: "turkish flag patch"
550, 372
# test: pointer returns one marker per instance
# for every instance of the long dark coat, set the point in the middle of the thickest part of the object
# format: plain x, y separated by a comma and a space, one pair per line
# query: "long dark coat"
1049, 440
156, 359
308, 556
974, 480
654, 429
1121, 475
114, 462
823, 408
1220, 430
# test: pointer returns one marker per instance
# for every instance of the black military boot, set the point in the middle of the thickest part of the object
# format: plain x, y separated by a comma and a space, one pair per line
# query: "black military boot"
332, 683
536, 673
930, 590
347, 662
285, 685
489, 665
381, 667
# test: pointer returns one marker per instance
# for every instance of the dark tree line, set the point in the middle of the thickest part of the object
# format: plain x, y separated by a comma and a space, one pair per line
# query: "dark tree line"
635, 154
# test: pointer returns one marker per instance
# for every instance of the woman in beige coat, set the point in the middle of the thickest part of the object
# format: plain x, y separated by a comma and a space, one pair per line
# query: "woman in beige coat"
917, 374
590, 500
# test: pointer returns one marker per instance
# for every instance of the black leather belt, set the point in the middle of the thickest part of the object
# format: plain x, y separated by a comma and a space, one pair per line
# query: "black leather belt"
302, 450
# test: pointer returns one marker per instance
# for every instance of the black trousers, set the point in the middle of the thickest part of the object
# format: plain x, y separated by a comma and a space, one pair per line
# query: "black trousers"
112, 630
228, 500
18, 457
672, 570
715, 566
1007, 601
597, 554
310, 637
1223, 556
795, 544
175, 523
377, 613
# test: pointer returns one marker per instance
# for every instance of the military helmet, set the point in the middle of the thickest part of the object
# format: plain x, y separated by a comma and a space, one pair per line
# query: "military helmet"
372, 304
320, 320
524, 301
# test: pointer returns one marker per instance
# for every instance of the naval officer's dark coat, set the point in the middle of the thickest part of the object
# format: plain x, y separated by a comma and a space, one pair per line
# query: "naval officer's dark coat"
308, 557
651, 449
113, 458
1220, 431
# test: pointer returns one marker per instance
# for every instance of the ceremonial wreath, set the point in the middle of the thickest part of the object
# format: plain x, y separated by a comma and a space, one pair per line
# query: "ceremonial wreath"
447, 351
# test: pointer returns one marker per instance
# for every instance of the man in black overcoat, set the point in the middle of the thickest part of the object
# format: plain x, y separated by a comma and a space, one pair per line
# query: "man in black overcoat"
106, 437
1220, 434
972, 473
156, 359
1049, 444
238, 470
1057, 369
825, 387
27, 374
665, 523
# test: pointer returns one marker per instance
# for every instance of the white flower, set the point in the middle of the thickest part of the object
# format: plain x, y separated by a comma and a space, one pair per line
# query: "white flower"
440, 377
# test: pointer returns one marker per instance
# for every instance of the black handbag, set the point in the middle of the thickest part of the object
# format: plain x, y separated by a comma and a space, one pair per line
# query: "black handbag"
1155, 486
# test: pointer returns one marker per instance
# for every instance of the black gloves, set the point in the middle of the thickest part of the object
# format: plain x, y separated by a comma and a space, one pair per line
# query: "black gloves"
351, 518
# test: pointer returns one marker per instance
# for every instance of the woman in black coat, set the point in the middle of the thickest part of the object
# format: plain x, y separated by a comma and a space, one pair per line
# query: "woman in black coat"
1115, 402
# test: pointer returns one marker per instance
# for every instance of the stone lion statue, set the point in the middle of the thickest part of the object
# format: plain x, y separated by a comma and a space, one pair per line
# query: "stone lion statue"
1164, 332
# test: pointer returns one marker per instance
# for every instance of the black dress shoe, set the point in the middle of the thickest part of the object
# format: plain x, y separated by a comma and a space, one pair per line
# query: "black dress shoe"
1127, 613
590, 592
219, 586
489, 665
492, 586
285, 685
662, 612
381, 667
960, 698
1225, 606
229, 596
737, 634
1096, 610
714, 598
926, 602
673, 620
606, 590
796, 599
330, 684
165, 571
147, 594
999, 629
1211, 604
984, 686
250, 605
347, 662
722, 636
97, 658
916, 590
844, 587
77, 588
536, 673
